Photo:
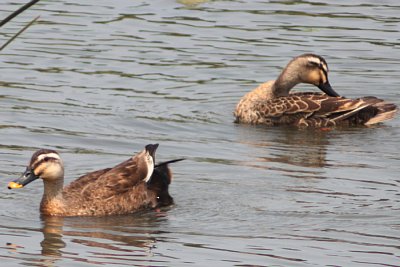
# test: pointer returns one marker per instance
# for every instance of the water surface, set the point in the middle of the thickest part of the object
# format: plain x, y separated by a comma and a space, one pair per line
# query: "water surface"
98, 80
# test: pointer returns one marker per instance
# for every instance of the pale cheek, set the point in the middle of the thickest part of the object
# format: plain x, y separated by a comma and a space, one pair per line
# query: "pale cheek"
38, 170
50, 172
54, 172
313, 77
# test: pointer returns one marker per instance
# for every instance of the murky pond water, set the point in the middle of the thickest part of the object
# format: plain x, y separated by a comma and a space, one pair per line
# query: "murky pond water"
98, 80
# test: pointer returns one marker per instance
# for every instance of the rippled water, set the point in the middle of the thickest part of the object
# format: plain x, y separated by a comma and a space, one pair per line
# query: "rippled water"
97, 80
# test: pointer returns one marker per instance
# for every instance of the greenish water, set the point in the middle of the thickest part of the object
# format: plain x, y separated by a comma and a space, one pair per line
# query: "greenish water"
98, 80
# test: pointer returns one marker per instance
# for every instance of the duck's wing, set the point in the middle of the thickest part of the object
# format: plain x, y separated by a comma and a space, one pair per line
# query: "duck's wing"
109, 182
315, 109
287, 110
88, 178
335, 111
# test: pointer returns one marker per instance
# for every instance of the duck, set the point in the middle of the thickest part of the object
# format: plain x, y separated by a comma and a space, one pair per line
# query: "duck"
133, 185
272, 103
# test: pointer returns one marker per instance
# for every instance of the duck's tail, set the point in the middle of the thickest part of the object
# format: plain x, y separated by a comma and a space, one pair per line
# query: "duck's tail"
168, 162
385, 111
365, 111
160, 180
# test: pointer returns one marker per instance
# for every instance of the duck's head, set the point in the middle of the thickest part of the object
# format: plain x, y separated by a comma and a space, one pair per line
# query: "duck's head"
313, 69
45, 164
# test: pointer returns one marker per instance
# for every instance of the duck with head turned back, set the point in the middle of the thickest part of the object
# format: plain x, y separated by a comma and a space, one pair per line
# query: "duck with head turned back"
272, 104
133, 185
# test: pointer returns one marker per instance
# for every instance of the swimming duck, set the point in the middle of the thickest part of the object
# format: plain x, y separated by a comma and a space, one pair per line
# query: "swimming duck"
130, 186
271, 103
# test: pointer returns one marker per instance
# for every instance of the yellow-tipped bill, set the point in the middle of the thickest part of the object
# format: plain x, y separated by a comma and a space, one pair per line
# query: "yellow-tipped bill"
27, 177
14, 185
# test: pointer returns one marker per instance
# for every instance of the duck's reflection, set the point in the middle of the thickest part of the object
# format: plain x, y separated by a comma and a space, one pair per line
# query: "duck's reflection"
300, 148
106, 236
305, 148
52, 233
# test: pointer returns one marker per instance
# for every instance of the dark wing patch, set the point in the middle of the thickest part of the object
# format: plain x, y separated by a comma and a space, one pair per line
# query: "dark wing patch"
159, 182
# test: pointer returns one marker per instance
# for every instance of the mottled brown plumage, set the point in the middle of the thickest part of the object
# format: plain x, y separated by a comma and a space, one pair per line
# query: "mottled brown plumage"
130, 186
272, 104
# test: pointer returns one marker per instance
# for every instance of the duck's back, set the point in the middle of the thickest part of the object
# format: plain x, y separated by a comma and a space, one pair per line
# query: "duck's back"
306, 109
117, 190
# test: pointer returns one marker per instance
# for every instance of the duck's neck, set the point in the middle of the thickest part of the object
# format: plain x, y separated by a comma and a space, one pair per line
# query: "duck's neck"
285, 82
52, 196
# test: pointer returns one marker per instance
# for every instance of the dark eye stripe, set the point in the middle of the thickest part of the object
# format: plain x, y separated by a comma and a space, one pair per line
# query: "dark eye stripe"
46, 159
321, 66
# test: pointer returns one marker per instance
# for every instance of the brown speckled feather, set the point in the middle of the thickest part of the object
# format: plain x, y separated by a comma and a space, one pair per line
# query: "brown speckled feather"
112, 181
122, 186
313, 109
77, 185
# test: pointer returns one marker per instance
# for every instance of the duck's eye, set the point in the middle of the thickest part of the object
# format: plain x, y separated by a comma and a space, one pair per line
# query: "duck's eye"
313, 64
46, 159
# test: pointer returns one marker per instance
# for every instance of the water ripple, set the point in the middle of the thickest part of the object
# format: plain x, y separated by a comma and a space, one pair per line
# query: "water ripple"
97, 81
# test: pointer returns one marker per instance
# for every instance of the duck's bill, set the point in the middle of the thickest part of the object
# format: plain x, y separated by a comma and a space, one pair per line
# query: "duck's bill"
27, 177
327, 89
